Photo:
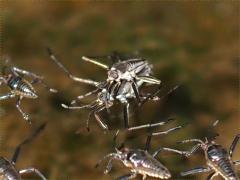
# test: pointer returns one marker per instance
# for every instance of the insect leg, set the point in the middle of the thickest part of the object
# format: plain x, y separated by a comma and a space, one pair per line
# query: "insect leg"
7, 96
150, 96
111, 155
236, 163
24, 72
33, 170
194, 149
115, 57
195, 171
40, 80
167, 131
136, 92
169, 150
144, 176
148, 125
75, 107
104, 66
233, 146
83, 96
148, 141
25, 116
27, 140
128, 176
74, 78
148, 79
154, 96
2, 80
191, 140
212, 175
109, 166
36, 78
95, 112
99, 120
126, 115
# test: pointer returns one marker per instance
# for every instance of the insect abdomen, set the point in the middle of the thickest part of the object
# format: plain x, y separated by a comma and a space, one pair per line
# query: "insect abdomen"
154, 168
145, 164
21, 87
227, 169
219, 160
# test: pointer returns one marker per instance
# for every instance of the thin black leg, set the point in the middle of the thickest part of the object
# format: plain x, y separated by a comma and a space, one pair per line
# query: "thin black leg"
27, 140
195, 171
136, 92
150, 96
233, 146
212, 175
148, 142
126, 115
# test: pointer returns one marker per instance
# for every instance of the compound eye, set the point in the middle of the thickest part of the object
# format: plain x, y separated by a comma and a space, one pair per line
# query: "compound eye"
113, 74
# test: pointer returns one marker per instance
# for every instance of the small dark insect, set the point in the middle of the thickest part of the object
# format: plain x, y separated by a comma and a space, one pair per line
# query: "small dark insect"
20, 87
122, 84
8, 170
217, 158
139, 161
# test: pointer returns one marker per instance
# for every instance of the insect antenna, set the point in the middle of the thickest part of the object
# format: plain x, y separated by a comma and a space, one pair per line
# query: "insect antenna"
212, 135
116, 56
104, 66
74, 78
27, 140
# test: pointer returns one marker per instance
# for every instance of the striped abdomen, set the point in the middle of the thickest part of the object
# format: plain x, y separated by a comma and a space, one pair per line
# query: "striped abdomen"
143, 163
7, 170
219, 160
21, 87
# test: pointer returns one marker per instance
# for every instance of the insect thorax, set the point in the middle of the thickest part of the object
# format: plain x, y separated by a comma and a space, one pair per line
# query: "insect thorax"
129, 69
7, 170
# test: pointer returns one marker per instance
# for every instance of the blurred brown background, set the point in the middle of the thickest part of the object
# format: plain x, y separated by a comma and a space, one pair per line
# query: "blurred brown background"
194, 44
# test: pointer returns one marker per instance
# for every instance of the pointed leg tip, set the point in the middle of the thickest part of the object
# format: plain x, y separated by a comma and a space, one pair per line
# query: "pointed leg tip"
64, 106
73, 102
53, 90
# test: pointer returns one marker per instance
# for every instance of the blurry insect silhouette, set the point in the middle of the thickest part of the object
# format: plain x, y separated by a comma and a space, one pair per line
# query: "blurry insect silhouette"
217, 158
21, 88
8, 170
139, 161
122, 84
